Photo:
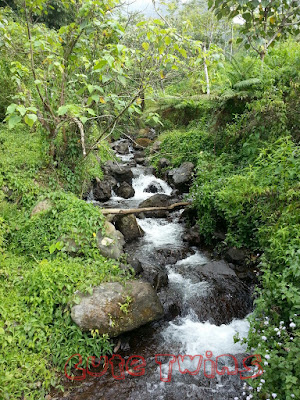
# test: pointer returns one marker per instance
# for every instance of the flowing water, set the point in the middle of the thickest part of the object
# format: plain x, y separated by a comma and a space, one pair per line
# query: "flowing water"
181, 333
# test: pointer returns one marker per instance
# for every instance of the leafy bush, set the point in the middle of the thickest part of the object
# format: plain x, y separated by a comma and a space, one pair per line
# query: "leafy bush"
22, 157
184, 145
37, 334
70, 225
245, 201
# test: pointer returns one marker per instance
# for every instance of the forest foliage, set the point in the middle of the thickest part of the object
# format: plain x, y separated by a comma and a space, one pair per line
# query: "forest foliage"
223, 95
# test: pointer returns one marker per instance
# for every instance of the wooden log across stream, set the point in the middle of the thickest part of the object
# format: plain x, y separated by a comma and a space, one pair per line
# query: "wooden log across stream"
124, 211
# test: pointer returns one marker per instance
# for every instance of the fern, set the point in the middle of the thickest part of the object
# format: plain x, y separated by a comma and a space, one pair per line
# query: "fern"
247, 84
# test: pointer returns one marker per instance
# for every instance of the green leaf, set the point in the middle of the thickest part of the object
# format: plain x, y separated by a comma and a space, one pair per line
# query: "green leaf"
168, 40
158, 22
52, 248
62, 110
30, 119
11, 108
90, 88
13, 121
90, 111
100, 64
22, 110
122, 80
145, 46
83, 119
142, 23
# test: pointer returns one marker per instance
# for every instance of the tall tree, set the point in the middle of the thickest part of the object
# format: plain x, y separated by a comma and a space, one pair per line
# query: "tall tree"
264, 21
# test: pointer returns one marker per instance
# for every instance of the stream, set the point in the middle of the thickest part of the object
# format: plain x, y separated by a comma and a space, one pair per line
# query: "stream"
205, 305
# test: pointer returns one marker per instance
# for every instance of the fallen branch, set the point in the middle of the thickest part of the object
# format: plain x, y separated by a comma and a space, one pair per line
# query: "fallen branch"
123, 211
82, 139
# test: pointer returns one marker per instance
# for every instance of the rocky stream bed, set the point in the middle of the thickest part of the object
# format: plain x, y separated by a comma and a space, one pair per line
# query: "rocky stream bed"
204, 301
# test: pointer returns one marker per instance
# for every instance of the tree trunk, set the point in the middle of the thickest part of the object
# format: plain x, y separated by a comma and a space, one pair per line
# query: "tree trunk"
231, 44
206, 72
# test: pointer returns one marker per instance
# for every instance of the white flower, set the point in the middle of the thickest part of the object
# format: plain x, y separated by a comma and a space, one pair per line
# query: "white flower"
264, 338
292, 395
262, 381
276, 329
266, 363
267, 356
274, 395
266, 322
292, 325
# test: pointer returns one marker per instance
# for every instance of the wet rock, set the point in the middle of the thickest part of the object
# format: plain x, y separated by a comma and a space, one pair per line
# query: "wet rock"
121, 173
131, 163
42, 206
102, 190
103, 309
156, 275
148, 133
121, 147
219, 235
181, 178
135, 264
141, 160
111, 181
153, 187
236, 256
189, 215
125, 190
171, 256
155, 147
140, 157
150, 171
215, 293
158, 200
128, 226
111, 244
192, 236
163, 163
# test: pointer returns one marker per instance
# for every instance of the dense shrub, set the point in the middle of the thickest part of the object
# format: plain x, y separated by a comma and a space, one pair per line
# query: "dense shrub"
37, 334
70, 224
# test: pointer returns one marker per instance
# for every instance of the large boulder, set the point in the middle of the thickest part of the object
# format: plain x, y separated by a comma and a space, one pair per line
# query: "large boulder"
212, 291
149, 133
163, 163
121, 147
125, 190
181, 178
153, 187
42, 206
101, 190
156, 275
114, 308
236, 256
111, 244
142, 142
155, 147
128, 226
121, 173
158, 200
192, 236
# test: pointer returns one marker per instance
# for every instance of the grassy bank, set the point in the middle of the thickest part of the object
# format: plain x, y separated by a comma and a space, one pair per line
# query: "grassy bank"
247, 186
